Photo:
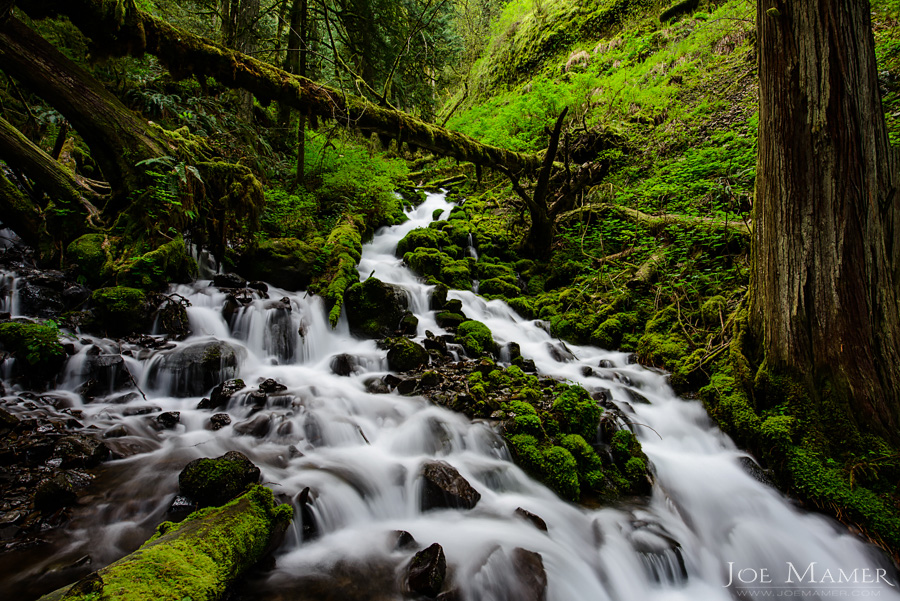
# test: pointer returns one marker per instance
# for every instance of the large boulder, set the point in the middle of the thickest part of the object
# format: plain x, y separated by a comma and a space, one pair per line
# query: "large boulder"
213, 482
288, 263
90, 257
193, 369
121, 310
404, 354
445, 488
375, 309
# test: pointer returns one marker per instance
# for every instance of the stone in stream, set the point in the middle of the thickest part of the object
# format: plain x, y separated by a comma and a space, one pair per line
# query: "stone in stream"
270, 386
80, 450
403, 540
219, 421
404, 354
54, 493
376, 385
213, 482
167, 420
375, 309
535, 520
343, 365
258, 426
426, 571
193, 369
528, 567
221, 394
445, 488
228, 280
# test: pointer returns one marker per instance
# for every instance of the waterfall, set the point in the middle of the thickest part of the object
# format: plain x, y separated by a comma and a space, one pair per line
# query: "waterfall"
708, 523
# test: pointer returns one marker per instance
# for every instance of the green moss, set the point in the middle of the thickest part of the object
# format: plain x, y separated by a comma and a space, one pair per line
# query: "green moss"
198, 558
342, 252
90, 256
577, 412
288, 263
499, 287
404, 354
37, 345
422, 238
158, 268
561, 472
475, 337
121, 309
714, 310
375, 309
661, 349
608, 334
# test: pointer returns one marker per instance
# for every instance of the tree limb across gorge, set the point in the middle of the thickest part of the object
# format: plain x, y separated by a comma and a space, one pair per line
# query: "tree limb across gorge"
119, 28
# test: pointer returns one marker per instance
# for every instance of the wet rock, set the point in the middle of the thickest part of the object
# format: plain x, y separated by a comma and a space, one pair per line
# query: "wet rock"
228, 280
287, 263
535, 520
309, 529
222, 393
41, 296
560, 352
121, 310
587, 371
258, 426
438, 298
142, 410
759, 474
54, 493
181, 507
376, 386
374, 308
426, 571
403, 540
662, 556
408, 386
433, 343
171, 317
430, 379
450, 320
7, 420
343, 364
635, 396
445, 488
606, 364
256, 399
167, 420
104, 373
80, 450
404, 354
259, 286
531, 576
219, 421
513, 350
213, 482
117, 431
409, 325
193, 369
271, 386
280, 337
391, 380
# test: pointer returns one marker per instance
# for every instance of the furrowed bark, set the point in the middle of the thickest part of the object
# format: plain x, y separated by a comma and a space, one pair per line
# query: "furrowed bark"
117, 137
826, 264
132, 31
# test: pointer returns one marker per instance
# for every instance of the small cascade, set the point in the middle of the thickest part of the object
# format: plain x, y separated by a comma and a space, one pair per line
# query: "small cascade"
352, 461
470, 248
9, 294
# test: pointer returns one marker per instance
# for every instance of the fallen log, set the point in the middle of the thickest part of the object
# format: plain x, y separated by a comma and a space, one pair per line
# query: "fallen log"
118, 28
656, 222
196, 559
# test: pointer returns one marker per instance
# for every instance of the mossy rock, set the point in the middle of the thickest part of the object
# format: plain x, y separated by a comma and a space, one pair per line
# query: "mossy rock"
90, 257
375, 309
197, 559
476, 338
287, 263
121, 310
214, 482
662, 350
457, 274
422, 238
608, 334
404, 354
37, 348
577, 412
499, 287
158, 268
488, 271
714, 311
450, 320
343, 249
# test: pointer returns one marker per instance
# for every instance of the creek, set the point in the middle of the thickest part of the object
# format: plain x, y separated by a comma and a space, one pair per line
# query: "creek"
712, 529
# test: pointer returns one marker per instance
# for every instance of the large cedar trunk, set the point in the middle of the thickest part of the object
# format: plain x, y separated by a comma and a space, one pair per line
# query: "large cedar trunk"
825, 275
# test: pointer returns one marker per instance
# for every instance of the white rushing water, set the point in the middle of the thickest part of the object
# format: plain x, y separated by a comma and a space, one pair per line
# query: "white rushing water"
360, 454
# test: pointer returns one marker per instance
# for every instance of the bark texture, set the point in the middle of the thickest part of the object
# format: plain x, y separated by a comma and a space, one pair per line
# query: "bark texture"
119, 28
824, 285
117, 137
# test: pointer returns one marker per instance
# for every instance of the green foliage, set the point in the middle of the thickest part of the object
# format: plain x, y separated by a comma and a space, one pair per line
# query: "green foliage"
475, 337
36, 344
577, 412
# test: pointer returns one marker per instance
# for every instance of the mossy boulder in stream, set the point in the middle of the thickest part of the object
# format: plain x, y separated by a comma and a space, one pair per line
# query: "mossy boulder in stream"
288, 263
121, 310
404, 354
194, 369
196, 559
475, 337
154, 270
90, 257
212, 482
375, 309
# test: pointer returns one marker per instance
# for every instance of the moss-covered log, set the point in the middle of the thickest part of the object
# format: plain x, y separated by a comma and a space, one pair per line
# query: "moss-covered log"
196, 559
118, 138
19, 214
657, 222
118, 27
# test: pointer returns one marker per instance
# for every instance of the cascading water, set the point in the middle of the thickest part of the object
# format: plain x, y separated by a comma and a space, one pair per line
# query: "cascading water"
709, 523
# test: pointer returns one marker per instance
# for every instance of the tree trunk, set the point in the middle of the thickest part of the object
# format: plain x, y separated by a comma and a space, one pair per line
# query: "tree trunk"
185, 54
118, 139
824, 294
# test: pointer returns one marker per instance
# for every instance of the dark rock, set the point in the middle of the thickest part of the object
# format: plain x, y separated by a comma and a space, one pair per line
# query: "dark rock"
213, 482
255, 398
606, 364
448, 319
260, 286
7, 419
228, 280
454, 306
41, 297
54, 493
222, 393
270, 386
376, 386
438, 297
103, 373
409, 325
309, 530
287, 263
426, 571
560, 352
142, 410
181, 507
528, 366
403, 540
117, 431
530, 517
404, 354
430, 379
258, 426
374, 308
167, 420
391, 380
343, 364
193, 369
432, 343
80, 450
635, 396
219, 421
121, 310
280, 338
445, 488
528, 566
171, 317
514, 350
587, 371
74, 296
759, 474
408, 386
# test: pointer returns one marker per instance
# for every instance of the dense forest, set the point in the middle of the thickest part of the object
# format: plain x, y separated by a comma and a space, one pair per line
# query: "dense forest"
601, 298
